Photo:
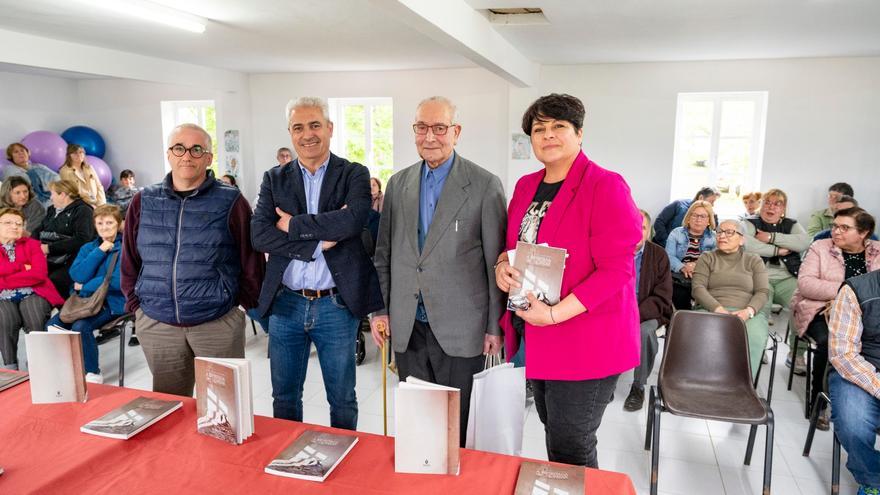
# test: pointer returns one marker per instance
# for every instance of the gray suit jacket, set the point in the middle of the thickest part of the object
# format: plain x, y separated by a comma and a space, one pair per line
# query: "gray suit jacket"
455, 270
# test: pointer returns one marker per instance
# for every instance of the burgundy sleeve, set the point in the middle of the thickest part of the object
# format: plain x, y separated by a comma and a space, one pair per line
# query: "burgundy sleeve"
131, 259
253, 263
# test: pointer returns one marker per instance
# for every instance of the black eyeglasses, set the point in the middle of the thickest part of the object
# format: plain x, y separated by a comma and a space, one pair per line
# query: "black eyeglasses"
437, 129
727, 232
196, 151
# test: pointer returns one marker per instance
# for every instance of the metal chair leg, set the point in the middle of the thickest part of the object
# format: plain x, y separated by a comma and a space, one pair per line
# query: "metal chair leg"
835, 467
772, 368
794, 353
811, 432
122, 329
808, 380
254, 327
768, 453
751, 445
650, 422
655, 448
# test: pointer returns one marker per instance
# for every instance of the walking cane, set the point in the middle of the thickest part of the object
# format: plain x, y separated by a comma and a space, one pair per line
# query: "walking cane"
380, 327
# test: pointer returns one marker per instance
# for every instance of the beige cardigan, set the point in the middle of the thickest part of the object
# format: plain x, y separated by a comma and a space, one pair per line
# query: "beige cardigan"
90, 189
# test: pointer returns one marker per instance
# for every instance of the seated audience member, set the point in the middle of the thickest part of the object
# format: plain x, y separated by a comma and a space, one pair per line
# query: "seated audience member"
751, 202
654, 295
26, 294
88, 273
67, 226
821, 219
730, 280
376, 194
38, 174
672, 216
843, 203
854, 383
120, 194
17, 192
229, 180
828, 263
779, 241
284, 156
685, 244
76, 170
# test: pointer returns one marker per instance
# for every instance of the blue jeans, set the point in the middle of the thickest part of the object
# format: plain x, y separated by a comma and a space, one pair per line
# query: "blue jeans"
86, 327
296, 322
856, 416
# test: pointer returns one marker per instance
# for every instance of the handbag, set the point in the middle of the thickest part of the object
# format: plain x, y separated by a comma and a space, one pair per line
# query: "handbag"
76, 307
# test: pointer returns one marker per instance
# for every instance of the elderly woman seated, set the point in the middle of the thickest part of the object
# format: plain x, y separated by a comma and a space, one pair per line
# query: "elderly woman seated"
730, 281
684, 246
26, 294
828, 263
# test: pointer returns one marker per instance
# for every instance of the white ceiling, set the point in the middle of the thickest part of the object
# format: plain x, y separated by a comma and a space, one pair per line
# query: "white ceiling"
334, 35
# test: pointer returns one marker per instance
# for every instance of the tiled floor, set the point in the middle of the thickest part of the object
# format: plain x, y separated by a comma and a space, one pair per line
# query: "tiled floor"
696, 456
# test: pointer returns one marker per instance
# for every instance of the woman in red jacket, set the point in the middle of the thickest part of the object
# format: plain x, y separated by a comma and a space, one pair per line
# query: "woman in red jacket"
26, 294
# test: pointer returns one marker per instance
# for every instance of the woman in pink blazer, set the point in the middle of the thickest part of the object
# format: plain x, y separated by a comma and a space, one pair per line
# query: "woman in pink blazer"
578, 347
827, 264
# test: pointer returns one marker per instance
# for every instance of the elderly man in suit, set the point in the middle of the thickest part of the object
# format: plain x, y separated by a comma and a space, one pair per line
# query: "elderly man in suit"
442, 228
319, 281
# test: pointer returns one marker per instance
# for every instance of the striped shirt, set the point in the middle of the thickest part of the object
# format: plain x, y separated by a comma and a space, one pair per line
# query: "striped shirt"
845, 345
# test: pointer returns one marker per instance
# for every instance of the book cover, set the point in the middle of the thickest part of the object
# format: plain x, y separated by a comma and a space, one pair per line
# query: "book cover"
536, 478
55, 365
12, 378
312, 456
132, 418
426, 420
541, 268
216, 401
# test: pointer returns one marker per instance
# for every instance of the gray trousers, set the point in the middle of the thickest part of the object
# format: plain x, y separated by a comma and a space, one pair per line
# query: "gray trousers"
30, 313
170, 350
648, 329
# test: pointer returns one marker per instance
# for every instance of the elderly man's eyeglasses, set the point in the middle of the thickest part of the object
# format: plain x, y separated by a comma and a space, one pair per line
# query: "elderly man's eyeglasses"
841, 227
12, 223
196, 151
437, 129
727, 232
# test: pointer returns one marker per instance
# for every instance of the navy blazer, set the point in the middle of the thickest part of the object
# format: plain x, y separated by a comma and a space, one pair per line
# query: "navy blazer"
345, 184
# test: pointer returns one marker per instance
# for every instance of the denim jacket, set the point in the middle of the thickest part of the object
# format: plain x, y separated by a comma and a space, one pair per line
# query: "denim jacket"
677, 243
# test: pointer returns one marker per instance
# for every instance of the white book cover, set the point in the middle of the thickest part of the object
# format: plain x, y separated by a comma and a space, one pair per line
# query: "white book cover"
131, 418
55, 365
426, 421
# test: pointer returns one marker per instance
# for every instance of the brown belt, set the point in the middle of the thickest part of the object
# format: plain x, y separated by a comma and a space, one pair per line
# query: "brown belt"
315, 294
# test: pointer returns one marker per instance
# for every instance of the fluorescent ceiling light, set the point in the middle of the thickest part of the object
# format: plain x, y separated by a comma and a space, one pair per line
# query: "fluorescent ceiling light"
153, 12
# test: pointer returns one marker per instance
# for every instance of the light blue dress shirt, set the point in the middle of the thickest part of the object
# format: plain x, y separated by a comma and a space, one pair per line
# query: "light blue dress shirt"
429, 195
313, 274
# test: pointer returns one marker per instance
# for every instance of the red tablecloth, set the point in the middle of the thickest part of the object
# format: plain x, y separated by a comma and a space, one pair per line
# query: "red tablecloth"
43, 451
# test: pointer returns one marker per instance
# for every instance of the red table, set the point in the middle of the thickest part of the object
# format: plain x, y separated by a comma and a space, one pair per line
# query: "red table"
43, 451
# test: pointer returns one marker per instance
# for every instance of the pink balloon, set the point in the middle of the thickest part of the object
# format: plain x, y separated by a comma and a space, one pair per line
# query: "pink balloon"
46, 147
105, 175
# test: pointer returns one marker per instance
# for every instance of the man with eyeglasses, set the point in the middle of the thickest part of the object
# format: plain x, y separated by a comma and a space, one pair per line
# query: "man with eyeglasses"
442, 228
187, 264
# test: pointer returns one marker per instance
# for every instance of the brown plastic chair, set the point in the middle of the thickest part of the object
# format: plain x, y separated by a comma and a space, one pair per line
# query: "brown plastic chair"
705, 373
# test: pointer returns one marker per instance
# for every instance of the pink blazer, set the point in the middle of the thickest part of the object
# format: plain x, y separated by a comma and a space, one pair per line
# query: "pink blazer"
819, 278
14, 276
594, 217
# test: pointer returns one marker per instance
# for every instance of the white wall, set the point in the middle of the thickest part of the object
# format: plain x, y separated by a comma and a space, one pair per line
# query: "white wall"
822, 124
481, 98
34, 103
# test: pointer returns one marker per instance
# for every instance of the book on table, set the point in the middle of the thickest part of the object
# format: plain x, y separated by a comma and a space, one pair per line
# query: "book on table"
224, 399
426, 422
538, 478
55, 365
9, 379
132, 418
541, 268
312, 456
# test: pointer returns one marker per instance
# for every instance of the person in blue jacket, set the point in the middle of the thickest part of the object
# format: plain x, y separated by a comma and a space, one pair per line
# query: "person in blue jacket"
673, 214
87, 272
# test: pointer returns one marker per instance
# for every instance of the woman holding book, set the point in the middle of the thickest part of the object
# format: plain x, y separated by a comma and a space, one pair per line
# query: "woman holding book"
88, 272
26, 293
578, 347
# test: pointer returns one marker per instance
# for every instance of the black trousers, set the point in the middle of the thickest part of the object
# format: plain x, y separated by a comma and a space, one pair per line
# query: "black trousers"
572, 412
818, 330
425, 359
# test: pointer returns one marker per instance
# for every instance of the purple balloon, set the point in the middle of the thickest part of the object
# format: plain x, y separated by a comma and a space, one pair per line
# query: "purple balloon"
47, 148
102, 170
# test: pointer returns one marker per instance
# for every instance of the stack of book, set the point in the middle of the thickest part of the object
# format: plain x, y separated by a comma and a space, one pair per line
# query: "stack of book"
426, 422
132, 418
11, 379
312, 456
224, 399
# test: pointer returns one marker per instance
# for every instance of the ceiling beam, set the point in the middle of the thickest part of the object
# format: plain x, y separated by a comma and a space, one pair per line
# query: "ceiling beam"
457, 26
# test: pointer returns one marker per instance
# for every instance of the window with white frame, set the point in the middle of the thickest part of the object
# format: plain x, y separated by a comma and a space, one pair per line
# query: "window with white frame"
719, 141
199, 112
363, 132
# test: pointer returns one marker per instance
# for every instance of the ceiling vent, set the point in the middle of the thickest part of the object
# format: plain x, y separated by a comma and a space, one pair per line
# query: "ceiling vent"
516, 16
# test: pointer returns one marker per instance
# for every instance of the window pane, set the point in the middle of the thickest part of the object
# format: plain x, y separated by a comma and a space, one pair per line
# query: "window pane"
382, 133
697, 119
355, 138
737, 118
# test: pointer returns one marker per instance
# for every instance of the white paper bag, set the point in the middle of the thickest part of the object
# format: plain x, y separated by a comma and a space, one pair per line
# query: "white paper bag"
497, 410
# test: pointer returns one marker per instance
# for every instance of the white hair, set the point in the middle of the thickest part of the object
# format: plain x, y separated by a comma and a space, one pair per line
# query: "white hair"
193, 127
443, 100
308, 102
